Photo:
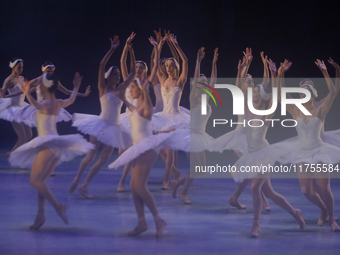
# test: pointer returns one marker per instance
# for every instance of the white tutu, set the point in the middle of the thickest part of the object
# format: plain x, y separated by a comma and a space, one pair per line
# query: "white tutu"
66, 147
155, 142
185, 110
124, 119
291, 152
13, 112
30, 120
117, 136
164, 122
332, 137
182, 140
233, 140
255, 160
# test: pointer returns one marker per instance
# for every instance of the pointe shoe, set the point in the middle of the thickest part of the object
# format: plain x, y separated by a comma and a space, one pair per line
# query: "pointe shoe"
165, 185
255, 232
335, 227
138, 230
160, 226
120, 187
185, 199
62, 213
36, 225
266, 208
73, 185
83, 191
298, 216
236, 203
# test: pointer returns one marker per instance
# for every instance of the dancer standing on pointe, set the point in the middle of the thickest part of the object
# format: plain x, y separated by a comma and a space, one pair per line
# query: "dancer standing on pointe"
12, 109
236, 140
195, 140
141, 74
47, 150
171, 117
309, 148
143, 153
106, 132
258, 151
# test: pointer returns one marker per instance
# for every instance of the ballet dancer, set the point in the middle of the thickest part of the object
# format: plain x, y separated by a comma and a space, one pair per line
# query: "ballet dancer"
142, 154
195, 140
12, 109
259, 151
171, 117
47, 150
106, 132
309, 148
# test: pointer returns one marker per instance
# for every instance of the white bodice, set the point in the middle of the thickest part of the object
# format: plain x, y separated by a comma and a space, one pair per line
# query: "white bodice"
140, 127
111, 107
132, 101
46, 124
309, 134
158, 94
256, 136
198, 122
171, 100
18, 100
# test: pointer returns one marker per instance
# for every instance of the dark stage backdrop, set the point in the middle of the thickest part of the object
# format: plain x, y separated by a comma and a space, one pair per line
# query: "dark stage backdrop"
74, 35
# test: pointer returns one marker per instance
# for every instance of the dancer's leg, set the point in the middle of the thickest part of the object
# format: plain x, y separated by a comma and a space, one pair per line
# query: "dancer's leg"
85, 163
19, 129
105, 153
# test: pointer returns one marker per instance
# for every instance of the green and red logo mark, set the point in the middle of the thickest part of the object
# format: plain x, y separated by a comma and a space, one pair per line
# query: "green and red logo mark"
213, 90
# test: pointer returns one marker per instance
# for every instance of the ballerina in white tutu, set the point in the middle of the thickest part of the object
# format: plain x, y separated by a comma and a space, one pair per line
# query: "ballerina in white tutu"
258, 151
194, 140
12, 109
106, 132
47, 150
143, 155
236, 140
309, 148
141, 74
171, 117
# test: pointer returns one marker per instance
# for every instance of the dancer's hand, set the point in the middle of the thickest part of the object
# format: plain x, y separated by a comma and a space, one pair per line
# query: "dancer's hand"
158, 35
248, 55
173, 39
165, 38
215, 55
77, 80
88, 91
284, 67
272, 65
321, 65
200, 54
335, 65
26, 87
153, 41
264, 58
129, 40
114, 42
242, 63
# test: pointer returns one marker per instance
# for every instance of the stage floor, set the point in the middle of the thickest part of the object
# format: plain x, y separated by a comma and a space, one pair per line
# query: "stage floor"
208, 226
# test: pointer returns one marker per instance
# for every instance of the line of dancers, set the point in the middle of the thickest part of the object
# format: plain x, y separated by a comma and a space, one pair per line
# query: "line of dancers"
145, 131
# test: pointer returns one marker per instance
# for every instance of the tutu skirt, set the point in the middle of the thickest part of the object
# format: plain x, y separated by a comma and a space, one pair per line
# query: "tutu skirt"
189, 141
154, 142
116, 136
13, 113
66, 147
233, 140
164, 122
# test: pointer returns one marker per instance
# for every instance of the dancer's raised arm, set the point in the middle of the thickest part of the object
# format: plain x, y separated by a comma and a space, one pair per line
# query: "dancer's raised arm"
213, 76
155, 60
76, 84
161, 76
123, 58
337, 75
184, 75
129, 78
194, 92
327, 103
101, 74
265, 80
